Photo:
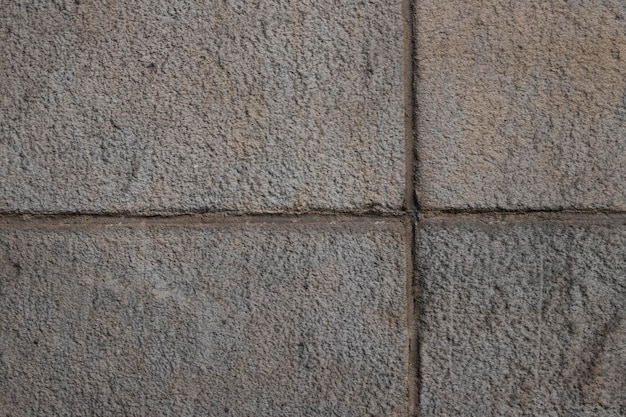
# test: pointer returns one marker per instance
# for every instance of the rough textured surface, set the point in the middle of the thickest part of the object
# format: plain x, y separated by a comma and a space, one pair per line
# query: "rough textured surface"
522, 104
147, 106
239, 320
522, 319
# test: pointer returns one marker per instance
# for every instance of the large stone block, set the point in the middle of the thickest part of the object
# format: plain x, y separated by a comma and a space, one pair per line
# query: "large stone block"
522, 319
218, 320
522, 104
143, 106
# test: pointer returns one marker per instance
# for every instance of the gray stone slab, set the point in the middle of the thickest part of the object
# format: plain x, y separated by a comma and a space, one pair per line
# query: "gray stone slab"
217, 320
522, 104
143, 106
522, 319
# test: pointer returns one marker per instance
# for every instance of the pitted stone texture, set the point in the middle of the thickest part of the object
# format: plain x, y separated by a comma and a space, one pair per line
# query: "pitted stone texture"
244, 320
522, 104
522, 319
143, 106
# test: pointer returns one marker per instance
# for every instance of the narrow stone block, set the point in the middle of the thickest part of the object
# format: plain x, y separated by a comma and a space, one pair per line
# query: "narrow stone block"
256, 106
220, 320
522, 104
522, 318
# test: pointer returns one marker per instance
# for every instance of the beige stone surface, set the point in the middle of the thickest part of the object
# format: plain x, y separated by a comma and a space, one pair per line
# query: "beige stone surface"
157, 106
521, 104
203, 320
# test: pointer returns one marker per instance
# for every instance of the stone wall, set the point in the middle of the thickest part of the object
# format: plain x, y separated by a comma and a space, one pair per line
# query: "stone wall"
313, 208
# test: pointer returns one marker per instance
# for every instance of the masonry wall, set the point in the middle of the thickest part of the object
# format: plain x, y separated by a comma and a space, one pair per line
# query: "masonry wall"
307, 208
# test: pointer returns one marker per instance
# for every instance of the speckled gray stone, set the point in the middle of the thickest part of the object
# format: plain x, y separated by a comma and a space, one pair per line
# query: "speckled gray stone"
257, 106
522, 319
205, 320
522, 104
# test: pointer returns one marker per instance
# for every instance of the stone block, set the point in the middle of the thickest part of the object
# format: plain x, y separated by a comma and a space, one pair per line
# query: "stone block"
522, 318
212, 319
188, 106
522, 104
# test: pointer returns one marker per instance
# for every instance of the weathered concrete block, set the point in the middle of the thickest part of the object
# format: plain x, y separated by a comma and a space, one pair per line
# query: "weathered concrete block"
219, 320
522, 104
147, 106
522, 319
